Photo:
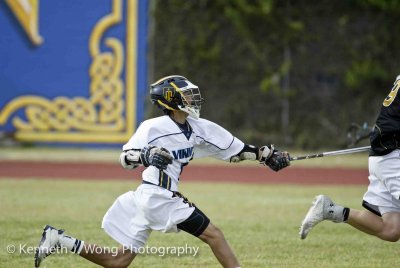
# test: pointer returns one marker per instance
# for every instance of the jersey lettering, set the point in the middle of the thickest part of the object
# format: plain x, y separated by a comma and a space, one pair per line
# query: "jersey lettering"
183, 153
392, 95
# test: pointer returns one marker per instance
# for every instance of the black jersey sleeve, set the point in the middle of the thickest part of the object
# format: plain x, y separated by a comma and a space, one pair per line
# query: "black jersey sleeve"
386, 134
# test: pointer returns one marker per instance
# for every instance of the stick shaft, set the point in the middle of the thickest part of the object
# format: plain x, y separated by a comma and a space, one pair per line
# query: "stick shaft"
339, 152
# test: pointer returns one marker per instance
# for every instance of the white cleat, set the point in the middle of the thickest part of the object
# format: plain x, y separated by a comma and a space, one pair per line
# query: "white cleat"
48, 244
322, 208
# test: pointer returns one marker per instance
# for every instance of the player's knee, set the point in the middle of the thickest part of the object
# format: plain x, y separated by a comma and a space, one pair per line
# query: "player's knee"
390, 231
212, 233
117, 263
120, 260
392, 235
217, 233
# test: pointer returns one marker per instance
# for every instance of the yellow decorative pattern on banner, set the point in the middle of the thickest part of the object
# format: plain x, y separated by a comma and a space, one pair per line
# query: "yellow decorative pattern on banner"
97, 119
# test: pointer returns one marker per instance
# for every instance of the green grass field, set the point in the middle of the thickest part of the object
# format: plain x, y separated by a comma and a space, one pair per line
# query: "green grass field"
260, 221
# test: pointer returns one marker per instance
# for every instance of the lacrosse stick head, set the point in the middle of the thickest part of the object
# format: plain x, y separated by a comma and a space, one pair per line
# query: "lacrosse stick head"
357, 133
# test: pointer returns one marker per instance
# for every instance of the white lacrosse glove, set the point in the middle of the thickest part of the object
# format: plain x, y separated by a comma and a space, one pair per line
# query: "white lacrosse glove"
130, 159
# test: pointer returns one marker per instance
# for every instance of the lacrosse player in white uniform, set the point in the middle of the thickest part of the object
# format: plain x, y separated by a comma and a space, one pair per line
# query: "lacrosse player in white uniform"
382, 199
165, 145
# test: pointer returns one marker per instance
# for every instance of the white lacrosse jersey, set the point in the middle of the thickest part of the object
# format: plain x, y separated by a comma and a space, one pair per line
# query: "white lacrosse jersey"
206, 139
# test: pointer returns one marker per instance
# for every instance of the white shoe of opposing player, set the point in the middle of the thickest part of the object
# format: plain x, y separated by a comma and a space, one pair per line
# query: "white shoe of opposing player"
323, 208
48, 244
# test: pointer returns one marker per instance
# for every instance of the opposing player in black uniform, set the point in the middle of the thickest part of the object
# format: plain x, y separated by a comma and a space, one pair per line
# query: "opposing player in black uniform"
382, 199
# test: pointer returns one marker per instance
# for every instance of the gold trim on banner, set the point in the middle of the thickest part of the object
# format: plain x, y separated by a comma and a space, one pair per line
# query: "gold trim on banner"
27, 13
104, 116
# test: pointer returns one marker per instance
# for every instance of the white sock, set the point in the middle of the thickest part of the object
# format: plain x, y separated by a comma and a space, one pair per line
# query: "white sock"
338, 213
71, 243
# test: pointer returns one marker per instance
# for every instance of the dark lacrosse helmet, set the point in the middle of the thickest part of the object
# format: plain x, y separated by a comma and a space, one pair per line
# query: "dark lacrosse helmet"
176, 92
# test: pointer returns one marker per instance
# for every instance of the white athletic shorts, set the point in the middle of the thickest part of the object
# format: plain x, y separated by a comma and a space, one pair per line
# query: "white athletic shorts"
384, 177
135, 214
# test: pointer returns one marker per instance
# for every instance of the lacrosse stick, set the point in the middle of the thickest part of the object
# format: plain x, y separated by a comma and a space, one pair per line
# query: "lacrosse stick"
339, 152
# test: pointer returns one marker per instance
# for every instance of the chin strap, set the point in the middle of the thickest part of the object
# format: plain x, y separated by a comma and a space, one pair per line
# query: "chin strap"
192, 112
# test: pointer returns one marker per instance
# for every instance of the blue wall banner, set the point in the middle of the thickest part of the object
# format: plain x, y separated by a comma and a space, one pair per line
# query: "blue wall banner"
72, 71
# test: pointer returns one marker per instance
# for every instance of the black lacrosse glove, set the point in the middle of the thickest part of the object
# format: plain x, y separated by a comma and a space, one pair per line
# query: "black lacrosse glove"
154, 156
274, 159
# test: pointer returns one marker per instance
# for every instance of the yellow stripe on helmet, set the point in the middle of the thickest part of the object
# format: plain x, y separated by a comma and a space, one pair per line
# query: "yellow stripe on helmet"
180, 91
176, 88
166, 106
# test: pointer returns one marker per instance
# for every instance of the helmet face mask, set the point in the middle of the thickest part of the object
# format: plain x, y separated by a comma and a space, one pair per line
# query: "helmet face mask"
177, 93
